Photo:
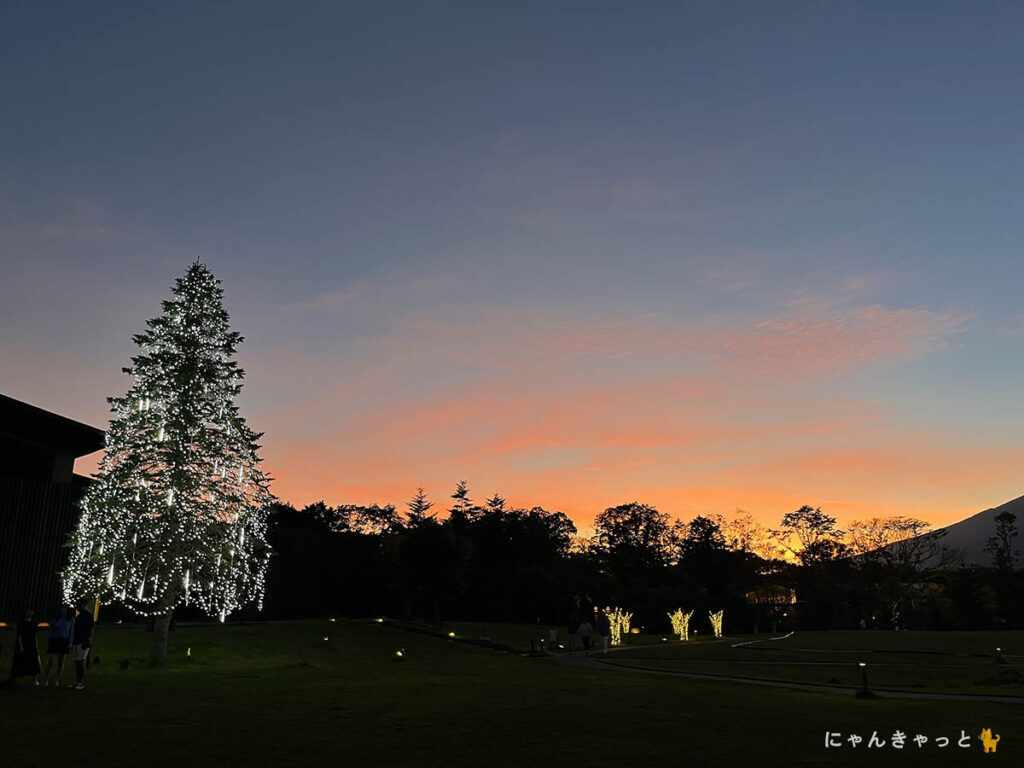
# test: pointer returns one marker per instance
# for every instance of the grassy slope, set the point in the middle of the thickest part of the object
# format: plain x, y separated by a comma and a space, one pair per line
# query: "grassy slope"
279, 695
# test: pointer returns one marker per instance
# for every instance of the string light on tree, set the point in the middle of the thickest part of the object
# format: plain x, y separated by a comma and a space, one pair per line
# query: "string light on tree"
619, 622
716, 622
165, 523
681, 623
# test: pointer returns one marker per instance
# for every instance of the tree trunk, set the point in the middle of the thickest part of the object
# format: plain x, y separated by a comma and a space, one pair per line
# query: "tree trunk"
161, 627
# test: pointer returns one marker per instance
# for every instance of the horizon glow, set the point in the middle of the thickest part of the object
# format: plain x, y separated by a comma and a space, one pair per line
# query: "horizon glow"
581, 256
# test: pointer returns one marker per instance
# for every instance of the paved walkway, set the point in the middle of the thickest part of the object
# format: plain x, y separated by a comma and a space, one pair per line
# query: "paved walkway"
600, 661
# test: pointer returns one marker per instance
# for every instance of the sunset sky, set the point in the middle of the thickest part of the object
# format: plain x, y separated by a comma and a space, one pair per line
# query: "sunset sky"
703, 255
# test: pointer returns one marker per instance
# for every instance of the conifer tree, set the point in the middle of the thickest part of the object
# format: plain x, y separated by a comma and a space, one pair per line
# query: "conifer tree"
462, 506
178, 510
419, 508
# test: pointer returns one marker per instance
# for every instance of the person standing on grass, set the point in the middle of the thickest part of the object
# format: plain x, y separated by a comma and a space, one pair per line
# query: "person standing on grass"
586, 630
58, 643
26, 655
604, 627
82, 639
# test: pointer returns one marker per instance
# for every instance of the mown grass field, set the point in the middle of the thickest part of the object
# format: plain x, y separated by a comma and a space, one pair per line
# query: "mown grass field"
283, 695
946, 662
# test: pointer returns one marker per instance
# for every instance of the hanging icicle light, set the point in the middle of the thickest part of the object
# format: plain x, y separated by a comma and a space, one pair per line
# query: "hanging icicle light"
121, 525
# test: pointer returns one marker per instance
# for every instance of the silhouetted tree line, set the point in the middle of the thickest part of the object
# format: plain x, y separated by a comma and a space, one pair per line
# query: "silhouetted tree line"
492, 562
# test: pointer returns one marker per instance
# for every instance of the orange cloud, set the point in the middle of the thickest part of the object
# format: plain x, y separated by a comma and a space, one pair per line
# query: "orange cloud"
576, 415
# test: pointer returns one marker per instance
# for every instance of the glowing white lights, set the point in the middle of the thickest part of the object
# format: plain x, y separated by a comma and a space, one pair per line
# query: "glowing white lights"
158, 528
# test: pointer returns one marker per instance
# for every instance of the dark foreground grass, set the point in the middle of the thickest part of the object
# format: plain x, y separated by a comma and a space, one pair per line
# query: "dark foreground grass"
946, 662
282, 695
526, 636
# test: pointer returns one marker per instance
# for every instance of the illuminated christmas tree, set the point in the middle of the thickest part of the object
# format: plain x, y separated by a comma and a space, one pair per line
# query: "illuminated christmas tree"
178, 510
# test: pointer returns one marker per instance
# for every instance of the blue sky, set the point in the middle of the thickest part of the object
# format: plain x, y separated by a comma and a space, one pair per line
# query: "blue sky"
803, 208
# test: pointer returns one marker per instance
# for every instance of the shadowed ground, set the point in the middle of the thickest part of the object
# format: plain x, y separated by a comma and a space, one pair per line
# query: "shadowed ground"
950, 663
282, 695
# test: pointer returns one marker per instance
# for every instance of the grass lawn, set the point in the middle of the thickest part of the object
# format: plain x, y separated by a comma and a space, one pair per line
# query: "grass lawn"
518, 636
282, 695
949, 662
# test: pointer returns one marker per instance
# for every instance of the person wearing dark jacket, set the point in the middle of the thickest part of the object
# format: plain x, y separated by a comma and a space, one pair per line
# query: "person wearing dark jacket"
26, 655
82, 642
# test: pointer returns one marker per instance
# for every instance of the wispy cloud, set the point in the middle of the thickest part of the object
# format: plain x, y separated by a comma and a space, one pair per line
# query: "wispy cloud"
563, 409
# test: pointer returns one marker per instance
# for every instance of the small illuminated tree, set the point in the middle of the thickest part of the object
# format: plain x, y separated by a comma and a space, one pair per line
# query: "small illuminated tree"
716, 622
619, 622
625, 620
178, 510
681, 623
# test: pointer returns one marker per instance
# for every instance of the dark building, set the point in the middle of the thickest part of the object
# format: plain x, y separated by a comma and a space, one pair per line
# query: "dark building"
39, 495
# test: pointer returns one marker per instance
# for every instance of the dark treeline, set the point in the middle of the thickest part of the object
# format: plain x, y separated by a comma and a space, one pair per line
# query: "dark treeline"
492, 562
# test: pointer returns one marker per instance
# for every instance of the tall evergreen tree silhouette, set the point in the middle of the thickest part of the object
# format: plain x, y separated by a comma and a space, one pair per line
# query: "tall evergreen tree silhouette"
419, 508
496, 504
462, 506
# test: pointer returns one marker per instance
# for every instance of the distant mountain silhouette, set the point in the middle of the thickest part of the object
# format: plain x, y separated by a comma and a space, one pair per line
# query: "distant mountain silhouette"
969, 537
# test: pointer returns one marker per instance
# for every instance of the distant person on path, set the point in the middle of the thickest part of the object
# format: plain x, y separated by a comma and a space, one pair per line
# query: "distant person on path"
82, 639
26, 655
604, 627
863, 624
586, 630
58, 643
574, 628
